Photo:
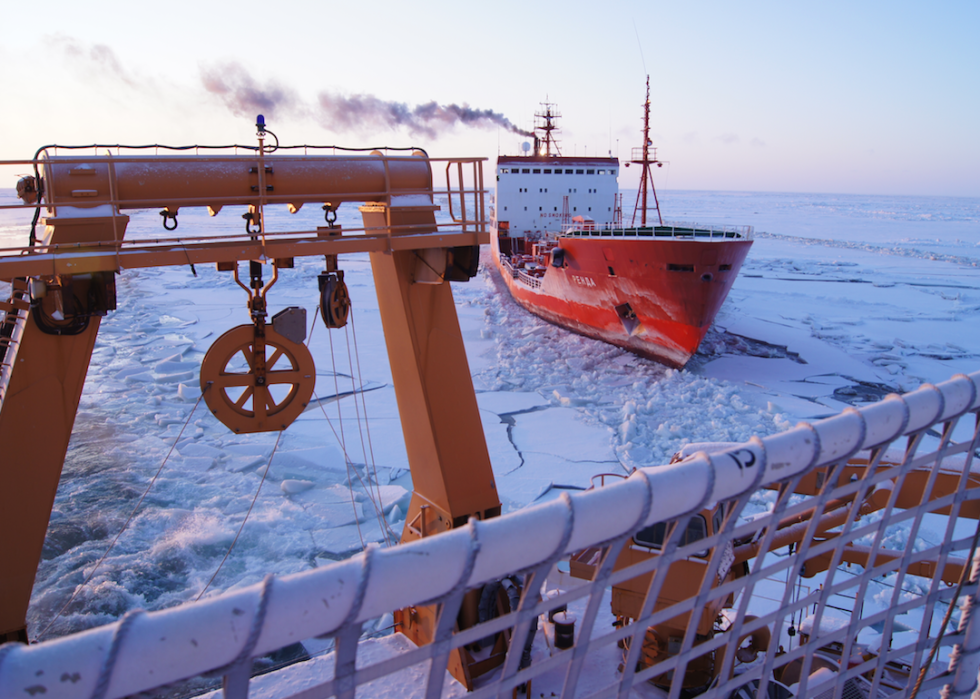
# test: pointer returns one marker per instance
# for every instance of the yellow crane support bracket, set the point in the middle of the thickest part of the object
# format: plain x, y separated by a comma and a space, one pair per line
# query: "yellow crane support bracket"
83, 245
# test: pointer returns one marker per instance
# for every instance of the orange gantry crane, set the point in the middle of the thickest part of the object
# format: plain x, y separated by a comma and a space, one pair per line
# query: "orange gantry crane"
65, 282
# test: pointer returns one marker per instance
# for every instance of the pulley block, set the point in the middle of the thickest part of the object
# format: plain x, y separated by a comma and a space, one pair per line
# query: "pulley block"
334, 299
256, 382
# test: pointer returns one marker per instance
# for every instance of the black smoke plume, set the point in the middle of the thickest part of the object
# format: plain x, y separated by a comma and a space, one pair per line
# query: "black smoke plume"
357, 112
99, 57
245, 97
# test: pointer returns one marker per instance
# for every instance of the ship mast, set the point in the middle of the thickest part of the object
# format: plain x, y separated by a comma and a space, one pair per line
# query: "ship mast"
641, 156
546, 127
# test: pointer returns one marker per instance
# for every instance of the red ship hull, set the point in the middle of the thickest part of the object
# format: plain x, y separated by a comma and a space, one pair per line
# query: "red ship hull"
654, 296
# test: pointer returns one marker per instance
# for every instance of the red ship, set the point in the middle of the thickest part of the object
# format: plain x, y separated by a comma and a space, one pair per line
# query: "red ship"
561, 247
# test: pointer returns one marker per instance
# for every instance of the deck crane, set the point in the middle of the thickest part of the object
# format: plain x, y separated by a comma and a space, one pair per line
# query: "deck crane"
64, 283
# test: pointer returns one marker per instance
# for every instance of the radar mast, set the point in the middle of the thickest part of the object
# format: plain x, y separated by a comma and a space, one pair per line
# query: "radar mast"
642, 156
544, 143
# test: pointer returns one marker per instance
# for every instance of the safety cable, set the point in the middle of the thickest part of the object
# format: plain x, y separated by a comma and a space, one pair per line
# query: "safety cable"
267, 148
964, 575
348, 462
120, 146
367, 427
242, 526
129, 519
343, 442
380, 504
386, 530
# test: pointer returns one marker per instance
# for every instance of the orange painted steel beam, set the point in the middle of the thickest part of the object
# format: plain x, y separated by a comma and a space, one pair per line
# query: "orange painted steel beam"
110, 257
866, 557
447, 451
36, 419
143, 181
452, 479
444, 435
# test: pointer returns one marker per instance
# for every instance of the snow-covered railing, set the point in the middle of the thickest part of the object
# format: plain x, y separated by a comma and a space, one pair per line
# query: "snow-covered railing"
509, 267
533, 282
918, 451
520, 274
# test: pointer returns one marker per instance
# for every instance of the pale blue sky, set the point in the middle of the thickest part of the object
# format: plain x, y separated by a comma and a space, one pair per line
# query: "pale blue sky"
850, 97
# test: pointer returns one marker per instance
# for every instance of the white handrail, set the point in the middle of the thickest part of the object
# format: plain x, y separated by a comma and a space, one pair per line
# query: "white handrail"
154, 649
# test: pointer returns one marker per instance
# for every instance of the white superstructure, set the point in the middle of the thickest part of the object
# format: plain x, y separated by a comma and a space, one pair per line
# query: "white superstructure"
537, 194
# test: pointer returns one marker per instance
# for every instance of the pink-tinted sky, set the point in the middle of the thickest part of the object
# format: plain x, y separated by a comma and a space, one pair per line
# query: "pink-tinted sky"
870, 97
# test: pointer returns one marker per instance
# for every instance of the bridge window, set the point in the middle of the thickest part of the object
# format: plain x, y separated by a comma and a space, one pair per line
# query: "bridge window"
580, 172
547, 171
590, 172
537, 171
526, 171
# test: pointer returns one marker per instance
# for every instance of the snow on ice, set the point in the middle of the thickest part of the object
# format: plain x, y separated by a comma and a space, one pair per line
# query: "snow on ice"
842, 300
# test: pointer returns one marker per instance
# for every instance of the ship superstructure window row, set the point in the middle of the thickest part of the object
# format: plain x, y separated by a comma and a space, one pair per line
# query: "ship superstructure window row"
557, 171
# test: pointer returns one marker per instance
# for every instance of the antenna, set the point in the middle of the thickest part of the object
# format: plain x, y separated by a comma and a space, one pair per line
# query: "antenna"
638, 43
546, 126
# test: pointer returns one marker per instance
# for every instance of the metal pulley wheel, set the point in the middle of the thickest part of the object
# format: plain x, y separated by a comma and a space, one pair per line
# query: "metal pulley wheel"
334, 300
247, 398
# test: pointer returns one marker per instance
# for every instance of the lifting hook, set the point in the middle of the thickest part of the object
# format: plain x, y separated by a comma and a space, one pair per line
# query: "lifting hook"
249, 218
167, 214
